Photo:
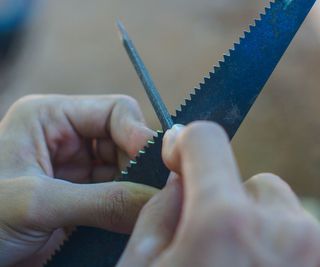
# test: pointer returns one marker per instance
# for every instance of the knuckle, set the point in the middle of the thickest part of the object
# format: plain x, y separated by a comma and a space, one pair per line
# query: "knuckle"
35, 102
128, 101
269, 180
35, 107
116, 206
127, 106
27, 103
267, 177
26, 109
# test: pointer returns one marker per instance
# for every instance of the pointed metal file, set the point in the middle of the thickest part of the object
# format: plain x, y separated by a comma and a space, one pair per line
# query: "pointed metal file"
148, 84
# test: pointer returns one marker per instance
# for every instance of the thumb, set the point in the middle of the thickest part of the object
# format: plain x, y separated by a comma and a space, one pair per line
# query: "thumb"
113, 206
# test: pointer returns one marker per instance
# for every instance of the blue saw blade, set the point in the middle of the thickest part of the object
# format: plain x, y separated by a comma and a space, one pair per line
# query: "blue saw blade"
231, 89
228, 93
224, 97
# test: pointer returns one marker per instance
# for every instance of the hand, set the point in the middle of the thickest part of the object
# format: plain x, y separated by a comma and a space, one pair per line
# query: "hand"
77, 140
205, 216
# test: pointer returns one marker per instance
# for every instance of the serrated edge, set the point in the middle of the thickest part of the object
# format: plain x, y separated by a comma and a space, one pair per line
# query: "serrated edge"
216, 68
191, 95
58, 248
141, 153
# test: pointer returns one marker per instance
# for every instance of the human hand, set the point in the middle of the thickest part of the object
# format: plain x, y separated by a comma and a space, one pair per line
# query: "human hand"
205, 216
76, 139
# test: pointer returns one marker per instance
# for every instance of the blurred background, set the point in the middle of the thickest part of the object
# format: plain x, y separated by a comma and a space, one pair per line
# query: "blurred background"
72, 47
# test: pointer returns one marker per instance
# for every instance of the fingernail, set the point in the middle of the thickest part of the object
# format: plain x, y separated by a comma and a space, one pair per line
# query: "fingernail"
147, 130
148, 245
174, 132
172, 179
177, 128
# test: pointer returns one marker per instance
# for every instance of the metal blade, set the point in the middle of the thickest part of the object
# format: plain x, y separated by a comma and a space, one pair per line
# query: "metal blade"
145, 78
229, 92
225, 97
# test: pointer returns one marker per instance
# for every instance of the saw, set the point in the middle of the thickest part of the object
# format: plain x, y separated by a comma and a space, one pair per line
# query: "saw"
225, 96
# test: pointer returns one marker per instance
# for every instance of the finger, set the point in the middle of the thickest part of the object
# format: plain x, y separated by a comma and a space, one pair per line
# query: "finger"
202, 154
155, 227
113, 206
106, 151
61, 125
271, 191
39, 258
117, 116
123, 159
104, 173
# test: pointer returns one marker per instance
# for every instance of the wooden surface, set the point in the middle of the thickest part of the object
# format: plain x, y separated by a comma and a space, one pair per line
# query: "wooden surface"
72, 47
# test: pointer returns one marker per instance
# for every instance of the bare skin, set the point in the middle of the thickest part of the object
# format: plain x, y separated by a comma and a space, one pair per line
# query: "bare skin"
205, 216
52, 147
54, 151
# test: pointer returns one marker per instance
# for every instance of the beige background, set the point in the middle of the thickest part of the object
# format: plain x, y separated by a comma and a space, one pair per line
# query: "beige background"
72, 47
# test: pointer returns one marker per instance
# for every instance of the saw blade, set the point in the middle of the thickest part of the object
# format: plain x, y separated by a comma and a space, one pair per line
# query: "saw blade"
228, 93
225, 96
231, 89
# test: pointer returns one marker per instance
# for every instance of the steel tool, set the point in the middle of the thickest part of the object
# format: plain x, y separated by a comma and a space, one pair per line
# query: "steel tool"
151, 90
225, 96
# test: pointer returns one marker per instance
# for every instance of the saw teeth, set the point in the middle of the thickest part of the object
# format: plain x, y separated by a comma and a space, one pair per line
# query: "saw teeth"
235, 47
130, 174
197, 90
141, 152
206, 79
60, 246
142, 159
224, 61
226, 57
261, 17
257, 22
182, 106
221, 62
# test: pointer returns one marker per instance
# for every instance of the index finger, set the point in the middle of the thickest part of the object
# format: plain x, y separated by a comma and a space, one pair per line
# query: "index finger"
201, 153
115, 116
